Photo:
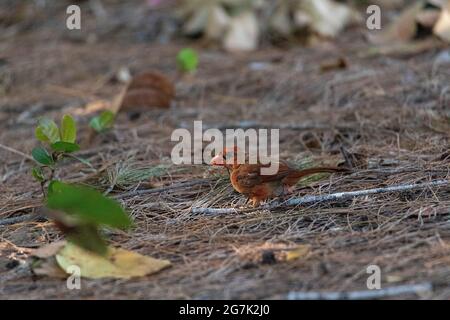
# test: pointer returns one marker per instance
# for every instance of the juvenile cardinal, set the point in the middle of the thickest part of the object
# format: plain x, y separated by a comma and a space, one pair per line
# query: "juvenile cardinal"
247, 178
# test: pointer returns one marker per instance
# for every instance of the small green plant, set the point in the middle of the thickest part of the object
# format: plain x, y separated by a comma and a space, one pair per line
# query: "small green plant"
103, 122
60, 142
187, 60
80, 211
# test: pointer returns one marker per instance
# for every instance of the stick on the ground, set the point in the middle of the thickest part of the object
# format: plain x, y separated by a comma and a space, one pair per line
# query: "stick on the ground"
180, 185
364, 294
258, 125
18, 219
20, 153
327, 197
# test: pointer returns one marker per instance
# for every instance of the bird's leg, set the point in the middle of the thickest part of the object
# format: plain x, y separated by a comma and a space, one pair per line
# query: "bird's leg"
255, 203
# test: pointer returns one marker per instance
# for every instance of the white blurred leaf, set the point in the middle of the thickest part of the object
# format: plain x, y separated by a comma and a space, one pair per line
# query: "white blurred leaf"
243, 33
217, 22
197, 22
327, 17
280, 21
428, 18
442, 27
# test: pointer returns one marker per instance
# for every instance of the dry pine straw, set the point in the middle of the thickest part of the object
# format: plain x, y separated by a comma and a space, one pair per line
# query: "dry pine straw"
387, 112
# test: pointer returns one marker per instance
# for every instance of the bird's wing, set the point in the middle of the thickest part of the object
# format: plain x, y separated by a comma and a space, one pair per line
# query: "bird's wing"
250, 175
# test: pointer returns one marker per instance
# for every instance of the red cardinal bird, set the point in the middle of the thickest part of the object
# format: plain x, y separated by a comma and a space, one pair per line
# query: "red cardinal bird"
248, 180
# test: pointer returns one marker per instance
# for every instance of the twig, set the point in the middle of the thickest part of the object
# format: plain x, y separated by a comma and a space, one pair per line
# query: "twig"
18, 219
162, 189
31, 206
325, 198
257, 125
364, 294
20, 153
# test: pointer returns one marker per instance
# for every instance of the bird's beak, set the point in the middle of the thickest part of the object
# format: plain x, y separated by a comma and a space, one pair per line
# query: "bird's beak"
217, 160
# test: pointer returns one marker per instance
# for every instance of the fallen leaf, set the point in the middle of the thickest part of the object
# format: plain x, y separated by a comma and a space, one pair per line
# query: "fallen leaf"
243, 33
123, 75
428, 18
280, 21
403, 29
393, 278
442, 27
154, 80
49, 250
148, 90
217, 23
197, 21
270, 253
325, 17
300, 251
48, 267
142, 98
402, 49
332, 64
117, 263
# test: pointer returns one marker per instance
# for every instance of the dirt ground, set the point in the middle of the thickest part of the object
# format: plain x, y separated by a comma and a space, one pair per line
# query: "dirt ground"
389, 112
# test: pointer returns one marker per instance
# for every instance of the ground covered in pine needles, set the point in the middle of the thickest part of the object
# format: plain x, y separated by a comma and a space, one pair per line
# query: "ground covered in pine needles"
387, 113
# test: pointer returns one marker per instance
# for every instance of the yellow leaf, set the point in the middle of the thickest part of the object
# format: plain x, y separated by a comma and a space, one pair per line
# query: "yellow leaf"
298, 252
118, 263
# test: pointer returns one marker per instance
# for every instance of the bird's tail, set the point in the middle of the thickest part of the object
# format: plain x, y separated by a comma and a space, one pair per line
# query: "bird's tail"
298, 174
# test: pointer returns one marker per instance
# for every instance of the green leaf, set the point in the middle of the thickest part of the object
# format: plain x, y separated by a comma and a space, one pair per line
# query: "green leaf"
47, 129
187, 60
40, 135
88, 237
86, 204
50, 186
95, 124
41, 155
38, 174
65, 146
68, 129
102, 122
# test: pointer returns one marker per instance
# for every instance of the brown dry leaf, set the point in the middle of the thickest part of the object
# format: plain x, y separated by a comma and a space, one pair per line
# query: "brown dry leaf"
49, 250
442, 27
141, 98
154, 80
333, 64
48, 267
118, 263
403, 29
402, 49
147, 90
